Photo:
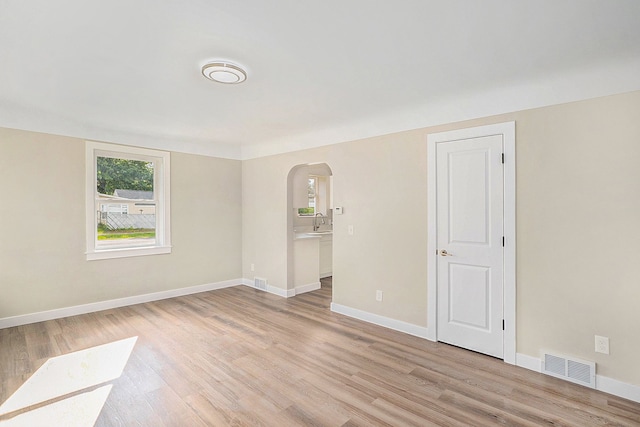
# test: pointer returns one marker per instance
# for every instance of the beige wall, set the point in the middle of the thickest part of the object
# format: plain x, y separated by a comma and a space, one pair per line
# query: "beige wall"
578, 205
264, 215
42, 244
578, 199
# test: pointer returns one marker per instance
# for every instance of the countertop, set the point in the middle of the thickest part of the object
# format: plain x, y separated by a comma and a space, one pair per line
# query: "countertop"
299, 235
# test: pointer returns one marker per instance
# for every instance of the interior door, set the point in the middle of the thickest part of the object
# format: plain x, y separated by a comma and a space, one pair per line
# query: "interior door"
470, 187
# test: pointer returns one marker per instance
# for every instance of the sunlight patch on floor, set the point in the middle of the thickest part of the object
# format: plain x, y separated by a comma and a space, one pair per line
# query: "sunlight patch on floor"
67, 374
81, 410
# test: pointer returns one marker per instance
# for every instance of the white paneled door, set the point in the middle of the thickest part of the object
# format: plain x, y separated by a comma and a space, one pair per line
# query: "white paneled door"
470, 199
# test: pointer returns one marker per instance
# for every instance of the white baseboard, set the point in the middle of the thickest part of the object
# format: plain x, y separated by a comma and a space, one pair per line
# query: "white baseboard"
528, 362
58, 313
618, 388
42, 316
604, 384
307, 288
285, 293
396, 325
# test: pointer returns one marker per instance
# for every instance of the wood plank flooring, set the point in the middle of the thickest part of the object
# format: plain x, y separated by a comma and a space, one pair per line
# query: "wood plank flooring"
242, 357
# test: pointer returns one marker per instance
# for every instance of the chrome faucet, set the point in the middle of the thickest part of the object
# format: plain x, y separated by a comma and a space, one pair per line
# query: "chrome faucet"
316, 226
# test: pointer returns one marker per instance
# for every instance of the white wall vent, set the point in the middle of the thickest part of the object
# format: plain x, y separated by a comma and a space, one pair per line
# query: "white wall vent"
574, 370
260, 283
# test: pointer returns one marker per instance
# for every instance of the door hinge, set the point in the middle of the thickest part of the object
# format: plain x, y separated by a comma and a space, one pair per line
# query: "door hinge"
503, 324
503, 241
503, 158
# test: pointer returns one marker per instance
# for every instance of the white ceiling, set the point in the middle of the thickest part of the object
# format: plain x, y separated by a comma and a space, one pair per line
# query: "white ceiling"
320, 72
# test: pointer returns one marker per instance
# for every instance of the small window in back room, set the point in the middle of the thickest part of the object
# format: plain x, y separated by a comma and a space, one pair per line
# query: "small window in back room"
127, 201
312, 191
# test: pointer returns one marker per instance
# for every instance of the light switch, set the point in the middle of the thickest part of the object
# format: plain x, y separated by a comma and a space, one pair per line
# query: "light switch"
337, 210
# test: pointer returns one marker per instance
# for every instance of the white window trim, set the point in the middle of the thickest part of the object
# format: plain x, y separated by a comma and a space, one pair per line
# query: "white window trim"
161, 187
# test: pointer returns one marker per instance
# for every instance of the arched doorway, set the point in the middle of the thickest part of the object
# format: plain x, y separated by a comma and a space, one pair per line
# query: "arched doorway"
309, 226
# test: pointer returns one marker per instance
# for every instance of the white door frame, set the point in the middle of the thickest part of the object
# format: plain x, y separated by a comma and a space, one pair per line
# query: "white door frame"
508, 132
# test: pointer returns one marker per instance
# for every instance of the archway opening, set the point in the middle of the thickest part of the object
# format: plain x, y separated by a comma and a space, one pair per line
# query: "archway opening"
309, 227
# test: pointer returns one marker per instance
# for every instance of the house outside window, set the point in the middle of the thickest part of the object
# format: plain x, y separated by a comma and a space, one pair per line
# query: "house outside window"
127, 200
121, 209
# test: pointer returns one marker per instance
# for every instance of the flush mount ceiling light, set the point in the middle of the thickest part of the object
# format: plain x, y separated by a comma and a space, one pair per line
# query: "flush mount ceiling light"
224, 72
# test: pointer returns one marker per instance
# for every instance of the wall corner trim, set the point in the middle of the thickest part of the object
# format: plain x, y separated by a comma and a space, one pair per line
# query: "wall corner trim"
376, 319
59, 313
285, 293
604, 384
310, 287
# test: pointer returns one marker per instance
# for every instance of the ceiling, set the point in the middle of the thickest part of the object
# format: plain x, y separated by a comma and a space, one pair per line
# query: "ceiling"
319, 72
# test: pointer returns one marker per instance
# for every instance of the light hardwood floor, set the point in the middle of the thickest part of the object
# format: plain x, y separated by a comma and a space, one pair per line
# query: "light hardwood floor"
239, 356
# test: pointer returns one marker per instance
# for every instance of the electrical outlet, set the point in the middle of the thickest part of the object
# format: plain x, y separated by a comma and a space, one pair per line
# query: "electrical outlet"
378, 295
253, 267
602, 344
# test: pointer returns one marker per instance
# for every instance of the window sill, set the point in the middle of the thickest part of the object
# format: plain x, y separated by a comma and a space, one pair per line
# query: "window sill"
127, 252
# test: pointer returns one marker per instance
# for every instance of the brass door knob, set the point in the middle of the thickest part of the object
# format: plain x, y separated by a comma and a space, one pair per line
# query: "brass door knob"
443, 252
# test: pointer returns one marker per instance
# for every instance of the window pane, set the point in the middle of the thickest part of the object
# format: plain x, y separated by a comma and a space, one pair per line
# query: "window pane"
127, 207
311, 191
311, 187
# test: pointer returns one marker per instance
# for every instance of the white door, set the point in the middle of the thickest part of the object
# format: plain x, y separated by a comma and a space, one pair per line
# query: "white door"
470, 190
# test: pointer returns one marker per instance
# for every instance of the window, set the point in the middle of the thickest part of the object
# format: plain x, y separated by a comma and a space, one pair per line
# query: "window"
312, 190
127, 201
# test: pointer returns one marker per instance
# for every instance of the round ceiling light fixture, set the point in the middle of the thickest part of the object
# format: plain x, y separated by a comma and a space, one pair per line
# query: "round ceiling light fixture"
224, 72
